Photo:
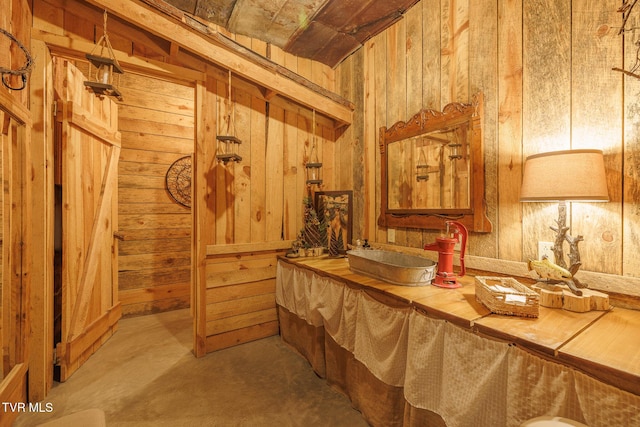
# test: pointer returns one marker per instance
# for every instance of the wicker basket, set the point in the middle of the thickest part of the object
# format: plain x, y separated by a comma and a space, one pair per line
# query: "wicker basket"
505, 295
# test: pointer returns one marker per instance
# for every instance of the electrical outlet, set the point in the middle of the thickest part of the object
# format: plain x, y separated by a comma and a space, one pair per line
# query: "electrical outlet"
546, 249
391, 235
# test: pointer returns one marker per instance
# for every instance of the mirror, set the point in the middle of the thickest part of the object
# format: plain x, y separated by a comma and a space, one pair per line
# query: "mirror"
432, 169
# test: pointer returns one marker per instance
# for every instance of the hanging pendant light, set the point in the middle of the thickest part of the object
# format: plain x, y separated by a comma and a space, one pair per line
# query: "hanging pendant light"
314, 166
105, 67
455, 151
228, 145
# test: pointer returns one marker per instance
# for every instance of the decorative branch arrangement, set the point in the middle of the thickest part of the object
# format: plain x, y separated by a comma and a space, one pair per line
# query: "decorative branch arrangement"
626, 9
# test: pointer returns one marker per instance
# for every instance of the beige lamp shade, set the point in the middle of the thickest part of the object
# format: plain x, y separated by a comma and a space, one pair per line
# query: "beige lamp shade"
570, 175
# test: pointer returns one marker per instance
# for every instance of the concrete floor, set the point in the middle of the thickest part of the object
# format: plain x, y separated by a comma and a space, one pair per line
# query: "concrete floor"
146, 375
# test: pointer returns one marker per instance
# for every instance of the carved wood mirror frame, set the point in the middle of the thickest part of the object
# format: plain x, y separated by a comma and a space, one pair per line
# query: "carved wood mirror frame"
424, 122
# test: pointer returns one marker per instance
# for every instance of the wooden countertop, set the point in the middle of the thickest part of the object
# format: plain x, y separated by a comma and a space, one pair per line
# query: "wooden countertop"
609, 348
603, 344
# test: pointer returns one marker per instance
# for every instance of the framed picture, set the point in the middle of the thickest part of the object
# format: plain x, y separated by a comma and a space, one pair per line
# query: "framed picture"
335, 210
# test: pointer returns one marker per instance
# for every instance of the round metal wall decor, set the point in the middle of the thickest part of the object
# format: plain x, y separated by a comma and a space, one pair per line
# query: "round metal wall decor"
178, 181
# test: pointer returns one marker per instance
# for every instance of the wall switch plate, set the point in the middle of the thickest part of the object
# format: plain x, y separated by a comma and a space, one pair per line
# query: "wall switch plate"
391, 235
546, 248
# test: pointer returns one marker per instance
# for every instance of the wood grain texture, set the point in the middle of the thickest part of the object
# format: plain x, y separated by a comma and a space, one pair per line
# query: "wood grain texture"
41, 353
483, 69
509, 173
16, 206
370, 146
240, 294
614, 331
631, 161
413, 51
88, 166
546, 101
158, 128
595, 100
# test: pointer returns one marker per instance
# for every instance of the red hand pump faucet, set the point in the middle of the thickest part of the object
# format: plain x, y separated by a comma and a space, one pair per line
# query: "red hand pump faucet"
445, 277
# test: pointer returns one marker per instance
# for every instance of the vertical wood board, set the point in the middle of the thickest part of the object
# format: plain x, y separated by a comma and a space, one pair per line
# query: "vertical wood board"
596, 122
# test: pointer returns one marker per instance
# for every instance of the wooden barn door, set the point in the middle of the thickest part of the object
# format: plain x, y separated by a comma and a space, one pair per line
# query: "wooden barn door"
87, 152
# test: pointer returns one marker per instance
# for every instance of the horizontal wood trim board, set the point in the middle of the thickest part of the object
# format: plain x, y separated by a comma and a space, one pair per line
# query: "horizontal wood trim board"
238, 307
137, 167
155, 260
241, 321
145, 105
145, 308
220, 261
140, 208
79, 117
133, 247
165, 129
154, 293
231, 264
70, 351
144, 196
241, 336
135, 279
244, 290
155, 233
175, 111
238, 248
141, 181
154, 157
141, 144
236, 277
153, 220
149, 93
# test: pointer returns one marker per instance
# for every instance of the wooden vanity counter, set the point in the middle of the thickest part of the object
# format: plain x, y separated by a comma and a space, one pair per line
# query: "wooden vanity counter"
609, 348
604, 344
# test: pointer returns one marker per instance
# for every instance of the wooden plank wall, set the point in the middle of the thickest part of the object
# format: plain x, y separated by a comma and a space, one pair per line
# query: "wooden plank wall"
248, 206
545, 70
240, 295
257, 200
16, 263
157, 127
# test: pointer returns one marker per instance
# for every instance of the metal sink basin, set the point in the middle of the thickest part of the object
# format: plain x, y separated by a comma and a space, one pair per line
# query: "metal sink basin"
392, 267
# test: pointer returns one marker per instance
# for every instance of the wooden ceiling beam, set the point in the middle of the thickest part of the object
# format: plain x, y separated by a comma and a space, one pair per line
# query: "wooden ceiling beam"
214, 47
67, 46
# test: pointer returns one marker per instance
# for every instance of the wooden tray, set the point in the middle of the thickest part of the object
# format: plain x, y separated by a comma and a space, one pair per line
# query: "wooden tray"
505, 295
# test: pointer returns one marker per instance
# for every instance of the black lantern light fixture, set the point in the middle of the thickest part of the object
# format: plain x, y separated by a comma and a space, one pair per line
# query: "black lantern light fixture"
314, 165
228, 145
103, 68
422, 168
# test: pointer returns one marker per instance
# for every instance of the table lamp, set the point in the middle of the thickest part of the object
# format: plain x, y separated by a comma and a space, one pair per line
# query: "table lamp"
565, 176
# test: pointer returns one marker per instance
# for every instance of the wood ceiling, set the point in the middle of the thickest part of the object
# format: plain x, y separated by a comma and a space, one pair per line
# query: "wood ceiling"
327, 31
